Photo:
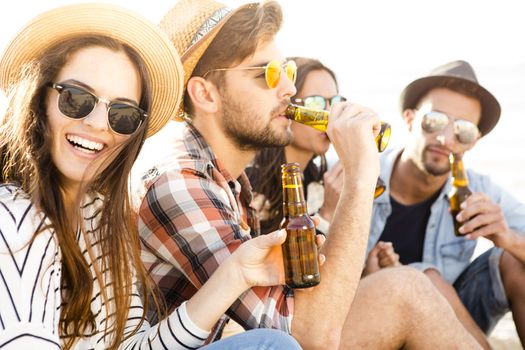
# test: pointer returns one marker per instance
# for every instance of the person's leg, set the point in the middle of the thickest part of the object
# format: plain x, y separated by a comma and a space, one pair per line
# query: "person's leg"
256, 339
448, 291
480, 289
400, 308
513, 277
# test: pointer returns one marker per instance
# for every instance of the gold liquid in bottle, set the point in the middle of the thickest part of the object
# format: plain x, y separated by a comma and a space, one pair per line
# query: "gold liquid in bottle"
301, 264
318, 119
380, 187
459, 191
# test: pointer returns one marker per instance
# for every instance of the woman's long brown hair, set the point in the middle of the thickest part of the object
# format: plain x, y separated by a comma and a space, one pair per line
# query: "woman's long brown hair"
265, 173
26, 161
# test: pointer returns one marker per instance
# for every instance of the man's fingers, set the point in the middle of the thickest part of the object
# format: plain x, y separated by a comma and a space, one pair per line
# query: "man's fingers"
319, 240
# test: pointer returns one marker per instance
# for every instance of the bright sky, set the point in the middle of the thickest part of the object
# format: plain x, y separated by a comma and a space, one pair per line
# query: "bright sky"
377, 47
368, 36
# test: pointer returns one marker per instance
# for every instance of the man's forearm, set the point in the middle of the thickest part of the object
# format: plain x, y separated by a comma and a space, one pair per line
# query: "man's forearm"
517, 248
323, 311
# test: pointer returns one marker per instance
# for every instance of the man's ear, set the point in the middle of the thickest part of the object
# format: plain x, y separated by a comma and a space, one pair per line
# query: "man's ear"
409, 115
203, 95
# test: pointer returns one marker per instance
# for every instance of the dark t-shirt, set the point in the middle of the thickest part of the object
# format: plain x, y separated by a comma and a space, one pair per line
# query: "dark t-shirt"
405, 228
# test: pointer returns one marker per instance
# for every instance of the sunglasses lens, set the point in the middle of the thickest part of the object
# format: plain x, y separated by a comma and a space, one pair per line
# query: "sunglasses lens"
124, 119
315, 102
466, 132
75, 103
273, 74
291, 71
383, 137
337, 98
434, 121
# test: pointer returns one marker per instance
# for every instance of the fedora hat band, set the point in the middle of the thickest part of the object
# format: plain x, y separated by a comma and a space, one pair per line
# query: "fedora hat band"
208, 25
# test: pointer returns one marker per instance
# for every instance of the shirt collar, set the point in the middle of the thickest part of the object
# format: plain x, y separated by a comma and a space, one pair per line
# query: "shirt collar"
200, 149
388, 160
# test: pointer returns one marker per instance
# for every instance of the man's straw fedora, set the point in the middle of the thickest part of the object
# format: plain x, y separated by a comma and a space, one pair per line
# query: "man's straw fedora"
154, 47
192, 25
460, 71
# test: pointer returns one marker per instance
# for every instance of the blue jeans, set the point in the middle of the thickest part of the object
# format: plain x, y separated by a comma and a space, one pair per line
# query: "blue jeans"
481, 290
256, 339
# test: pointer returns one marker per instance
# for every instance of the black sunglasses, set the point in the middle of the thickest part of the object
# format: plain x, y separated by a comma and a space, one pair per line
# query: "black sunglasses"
77, 103
318, 102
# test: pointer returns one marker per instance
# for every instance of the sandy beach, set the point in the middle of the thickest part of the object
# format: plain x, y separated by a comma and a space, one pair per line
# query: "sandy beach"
505, 336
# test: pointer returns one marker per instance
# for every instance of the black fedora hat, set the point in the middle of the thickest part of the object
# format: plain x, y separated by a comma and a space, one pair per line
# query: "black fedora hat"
456, 70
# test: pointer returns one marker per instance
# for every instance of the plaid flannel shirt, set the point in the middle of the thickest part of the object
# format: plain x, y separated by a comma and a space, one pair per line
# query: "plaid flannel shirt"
192, 216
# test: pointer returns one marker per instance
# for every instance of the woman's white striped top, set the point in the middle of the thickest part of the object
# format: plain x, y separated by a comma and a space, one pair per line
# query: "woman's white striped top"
30, 294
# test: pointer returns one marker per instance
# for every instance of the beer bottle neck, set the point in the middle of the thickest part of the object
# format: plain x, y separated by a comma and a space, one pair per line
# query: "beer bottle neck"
459, 175
294, 203
306, 115
291, 209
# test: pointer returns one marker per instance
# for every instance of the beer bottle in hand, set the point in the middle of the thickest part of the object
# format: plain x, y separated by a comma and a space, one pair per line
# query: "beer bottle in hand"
301, 265
459, 191
318, 119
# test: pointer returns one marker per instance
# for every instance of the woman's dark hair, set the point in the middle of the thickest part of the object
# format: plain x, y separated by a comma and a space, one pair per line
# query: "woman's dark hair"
25, 149
265, 172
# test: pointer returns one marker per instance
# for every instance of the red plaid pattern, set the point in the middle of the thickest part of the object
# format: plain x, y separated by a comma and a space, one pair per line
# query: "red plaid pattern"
192, 216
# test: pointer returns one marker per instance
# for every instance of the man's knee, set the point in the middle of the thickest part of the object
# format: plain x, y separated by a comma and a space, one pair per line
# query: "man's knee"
513, 275
439, 282
403, 283
434, 276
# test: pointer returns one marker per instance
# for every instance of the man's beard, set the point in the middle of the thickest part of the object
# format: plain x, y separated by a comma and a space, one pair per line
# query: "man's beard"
241, 125
432, 168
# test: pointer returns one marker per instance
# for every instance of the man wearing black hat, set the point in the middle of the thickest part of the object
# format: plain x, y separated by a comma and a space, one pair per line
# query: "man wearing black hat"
447, 112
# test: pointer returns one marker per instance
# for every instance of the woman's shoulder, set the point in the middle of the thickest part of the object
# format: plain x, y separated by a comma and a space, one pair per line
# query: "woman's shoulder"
30, 266
16, 207
11, 193
21, 219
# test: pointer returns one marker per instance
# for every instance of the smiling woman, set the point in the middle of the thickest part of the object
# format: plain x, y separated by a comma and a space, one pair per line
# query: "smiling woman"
85, 139
58, 166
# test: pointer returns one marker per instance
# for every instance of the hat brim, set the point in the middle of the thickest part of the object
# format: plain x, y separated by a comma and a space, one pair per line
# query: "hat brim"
160, 57
490, 107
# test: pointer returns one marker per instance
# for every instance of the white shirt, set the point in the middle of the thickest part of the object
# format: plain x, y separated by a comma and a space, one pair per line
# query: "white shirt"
31, 297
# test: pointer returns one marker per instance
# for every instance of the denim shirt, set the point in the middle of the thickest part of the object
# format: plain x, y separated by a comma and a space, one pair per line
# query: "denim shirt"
442, 250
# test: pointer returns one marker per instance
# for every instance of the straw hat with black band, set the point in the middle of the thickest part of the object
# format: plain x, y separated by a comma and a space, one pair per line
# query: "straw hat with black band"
153, 46
192, 25
461, 71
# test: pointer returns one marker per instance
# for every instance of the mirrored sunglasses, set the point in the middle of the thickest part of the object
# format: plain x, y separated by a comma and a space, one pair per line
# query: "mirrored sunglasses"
465, 131
77, 103
318, 102
272, 71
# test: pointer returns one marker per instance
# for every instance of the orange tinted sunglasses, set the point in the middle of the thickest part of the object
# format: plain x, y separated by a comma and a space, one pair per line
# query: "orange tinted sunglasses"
272, 71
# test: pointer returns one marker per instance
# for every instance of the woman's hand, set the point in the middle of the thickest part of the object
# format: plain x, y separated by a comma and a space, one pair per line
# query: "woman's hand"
333, 183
